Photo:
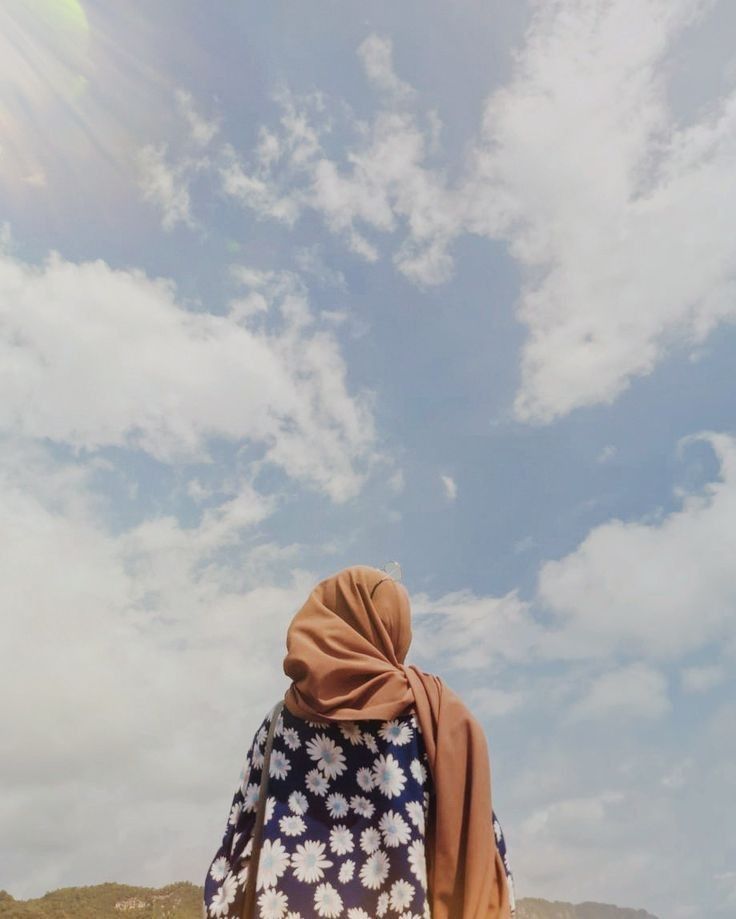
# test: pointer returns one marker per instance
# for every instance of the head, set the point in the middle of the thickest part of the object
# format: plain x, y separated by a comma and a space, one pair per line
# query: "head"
366, 599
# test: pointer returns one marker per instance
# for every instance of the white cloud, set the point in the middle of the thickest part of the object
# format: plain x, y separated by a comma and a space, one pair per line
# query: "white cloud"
636, 691
620, 215
121, 671
467, 632
376, 53
201, 131
166, 185
309, 259
661, 588
701, 679
100, 357
486, 702
617, 211
607, 453
450, 487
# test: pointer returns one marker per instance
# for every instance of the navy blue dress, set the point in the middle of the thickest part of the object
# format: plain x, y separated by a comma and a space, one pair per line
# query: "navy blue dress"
344, 829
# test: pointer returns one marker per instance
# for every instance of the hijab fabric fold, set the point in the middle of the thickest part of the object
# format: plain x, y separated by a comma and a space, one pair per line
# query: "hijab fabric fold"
345, 657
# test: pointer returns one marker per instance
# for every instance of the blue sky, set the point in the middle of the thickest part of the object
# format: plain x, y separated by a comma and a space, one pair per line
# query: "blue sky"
287, 288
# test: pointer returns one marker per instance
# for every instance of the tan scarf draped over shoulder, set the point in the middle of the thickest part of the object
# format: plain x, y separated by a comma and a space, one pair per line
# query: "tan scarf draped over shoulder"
345, 657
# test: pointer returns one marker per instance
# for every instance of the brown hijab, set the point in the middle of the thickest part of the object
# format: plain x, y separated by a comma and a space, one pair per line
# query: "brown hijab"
345, 656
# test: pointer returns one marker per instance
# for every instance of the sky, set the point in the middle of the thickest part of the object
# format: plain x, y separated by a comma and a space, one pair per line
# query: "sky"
294, 286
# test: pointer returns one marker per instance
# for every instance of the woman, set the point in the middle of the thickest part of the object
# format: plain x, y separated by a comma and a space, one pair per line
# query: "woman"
379, 798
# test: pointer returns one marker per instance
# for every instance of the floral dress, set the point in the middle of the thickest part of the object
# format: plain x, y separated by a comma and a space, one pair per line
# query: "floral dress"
344, 826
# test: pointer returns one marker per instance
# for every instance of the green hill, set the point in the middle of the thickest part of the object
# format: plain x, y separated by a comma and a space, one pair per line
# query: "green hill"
183, 901
108, 901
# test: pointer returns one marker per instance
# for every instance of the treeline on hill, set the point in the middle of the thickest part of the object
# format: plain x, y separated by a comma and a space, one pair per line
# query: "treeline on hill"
184, 901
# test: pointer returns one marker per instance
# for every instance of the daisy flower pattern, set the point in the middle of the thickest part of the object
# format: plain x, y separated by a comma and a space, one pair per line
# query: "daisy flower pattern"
344, 834
337, 805
401, 895
396, 732
317, 783
298, 802
395, 830
279, 765
292, 825
272, 904
388, 775
370, 840
375, 870
341, 840
418, 770
347, 870
364, 778
327, 901
351, 731
309, 861
272, 864
329, 756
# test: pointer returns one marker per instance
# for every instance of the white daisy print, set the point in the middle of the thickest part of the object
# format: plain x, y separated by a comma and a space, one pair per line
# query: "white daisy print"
370, 741
220, 905
235, 811
417, 862
355, 912
219, 868
375, 870
350, 731
347, 869
317, 783
250, 798
395, 732
418, 771
294, 915
370, 840
337, 805
327, 901
270, 805
382, 904
364, 778
389, 776
279, 729
234, 843
257, 757
416, 814
329, 756
273, 862
341, 839
396, 831
279, 765
362, 806
261, 735
309, 861
298, 802
292, 825
402, 893
291, 739
273, 904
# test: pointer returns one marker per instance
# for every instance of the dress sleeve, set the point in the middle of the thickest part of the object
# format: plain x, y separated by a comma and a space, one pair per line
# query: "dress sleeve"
224, 885
503, 852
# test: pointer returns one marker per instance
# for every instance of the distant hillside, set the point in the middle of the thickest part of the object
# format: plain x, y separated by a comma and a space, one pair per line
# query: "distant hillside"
183, 901
108, 901
531, 908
